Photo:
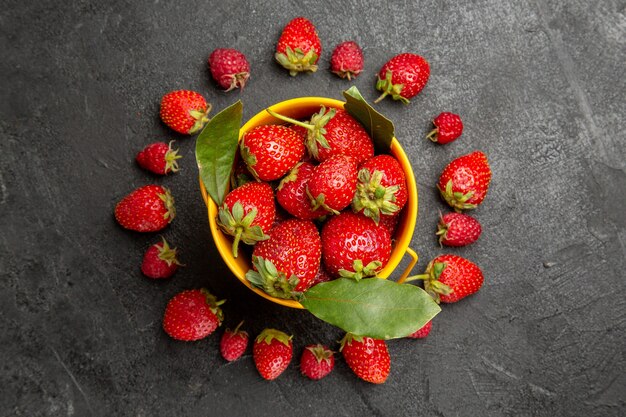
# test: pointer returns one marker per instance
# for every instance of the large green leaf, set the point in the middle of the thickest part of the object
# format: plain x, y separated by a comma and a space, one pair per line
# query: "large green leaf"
378, 126
216, 148
371, 307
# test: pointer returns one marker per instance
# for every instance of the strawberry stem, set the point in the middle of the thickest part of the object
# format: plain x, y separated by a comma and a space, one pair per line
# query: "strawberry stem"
382, 96
423, 277
290, 120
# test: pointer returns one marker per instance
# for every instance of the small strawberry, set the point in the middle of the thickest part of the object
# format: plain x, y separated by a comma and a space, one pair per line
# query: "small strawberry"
229, 68
334, 132
233, 343
390, 223
288, 261
381, 189
316, 361
347, 60
403, 77
184, 111
159, 158
272, 352
332, 184
422, 332
353, 246
147, 209
368, 358
465, 181
450, 278
270, 151
298, 47
448, 127
248, 213
456, 229
160, 261
192, 315
291, 193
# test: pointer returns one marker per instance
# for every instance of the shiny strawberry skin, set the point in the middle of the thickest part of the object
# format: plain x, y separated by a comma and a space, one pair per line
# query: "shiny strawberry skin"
147, 209
368, 358
423, 332
448, 127
346, 136
160, 261
299, 46
462, 276
316, 361
233, 344
272, 352
255, 195
465, 181
349, 237
158, 158
270, 151
184, 111
390, 223
292, 196
229, 68
403, 77
456, 229
192, 315
347, 60
333, 183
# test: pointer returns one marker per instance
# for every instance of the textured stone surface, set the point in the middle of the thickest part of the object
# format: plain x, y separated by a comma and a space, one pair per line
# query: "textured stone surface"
540, 86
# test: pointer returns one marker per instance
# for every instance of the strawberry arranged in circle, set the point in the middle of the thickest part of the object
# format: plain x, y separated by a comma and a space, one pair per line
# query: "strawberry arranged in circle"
381, 188
270, 151
334, 132
403, 77
448, 127
192, 315
272, 352
159, 158
248, 213
422, 332
185, 111
333, 184
229, 68
292, 196
233, 343
286, 263
316, 361
147, 209
450, 278
299, 47
347, 60
160, 261
354, 246
368, 358
464, 181
456, 229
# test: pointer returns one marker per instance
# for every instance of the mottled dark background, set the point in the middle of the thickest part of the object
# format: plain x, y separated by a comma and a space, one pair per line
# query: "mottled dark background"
541, 88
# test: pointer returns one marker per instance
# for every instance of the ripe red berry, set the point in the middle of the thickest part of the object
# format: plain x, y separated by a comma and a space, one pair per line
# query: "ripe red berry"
316, 361
368, 358
347, 60
422, 332
229, 68
291, 193
192, 315
147, 209
299, 47
448, 127
233, 343
159, 158
403, 77
160, 261
333, 184
184, 111
456, 229
465, 181
272, 352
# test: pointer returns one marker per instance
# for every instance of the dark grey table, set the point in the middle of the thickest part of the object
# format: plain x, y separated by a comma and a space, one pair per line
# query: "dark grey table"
541, 88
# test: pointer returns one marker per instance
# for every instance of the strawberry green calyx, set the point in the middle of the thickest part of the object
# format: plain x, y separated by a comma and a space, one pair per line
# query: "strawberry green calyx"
389, 88
167, 254
250, 159
373, 198
168, 200
171, 156
456, 199
347, 340
442, 230
433, 134
361, 271
291, 177
214, 304
235, 223
272, 281
295, 60
201, 117
320, 201
320, 353
268, 335
432, 285
315, 127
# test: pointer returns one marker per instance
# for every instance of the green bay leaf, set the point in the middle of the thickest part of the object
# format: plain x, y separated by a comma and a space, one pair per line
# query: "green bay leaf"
378, 126
216, 147
371, 307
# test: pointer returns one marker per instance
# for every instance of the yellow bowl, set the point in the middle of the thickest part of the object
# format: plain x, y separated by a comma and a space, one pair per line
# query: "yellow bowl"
299, 108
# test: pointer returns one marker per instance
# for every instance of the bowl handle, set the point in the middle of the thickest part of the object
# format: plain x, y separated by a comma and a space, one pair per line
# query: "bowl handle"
412, 263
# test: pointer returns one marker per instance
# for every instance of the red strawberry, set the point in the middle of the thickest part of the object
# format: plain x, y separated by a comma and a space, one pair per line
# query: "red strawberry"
316, 361
390, 223
465, 181
240, 174
159, 158
381, 190
332, 184
334, 132
292, 196
233, 343
288, 261
272, 352
423, 332
403, 77
160, 261
347, 60
192, 315
147, 209
229, 68
368, 358
298, 47
184, 111
270, 151
449, 278
353, 246
248, 213
448, 127
456, 229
